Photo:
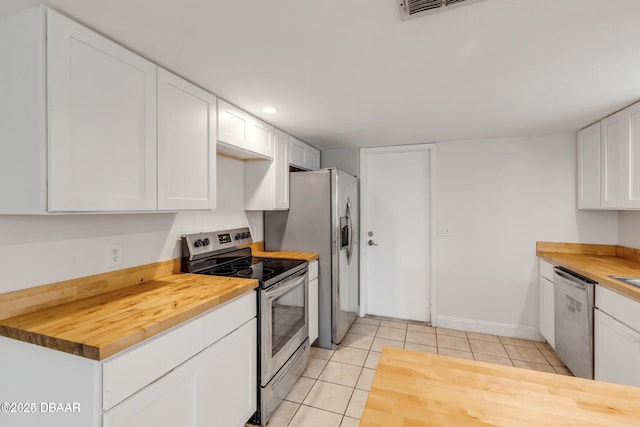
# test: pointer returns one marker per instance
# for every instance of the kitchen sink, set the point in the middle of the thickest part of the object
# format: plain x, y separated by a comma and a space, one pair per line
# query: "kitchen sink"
633, 281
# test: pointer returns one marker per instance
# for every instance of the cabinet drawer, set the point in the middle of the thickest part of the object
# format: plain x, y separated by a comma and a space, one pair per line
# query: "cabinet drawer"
313, 270
619, 307
128, 372
546, 270
229, 316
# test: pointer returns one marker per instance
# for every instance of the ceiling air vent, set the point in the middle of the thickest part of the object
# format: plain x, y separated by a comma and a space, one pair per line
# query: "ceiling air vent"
415, 8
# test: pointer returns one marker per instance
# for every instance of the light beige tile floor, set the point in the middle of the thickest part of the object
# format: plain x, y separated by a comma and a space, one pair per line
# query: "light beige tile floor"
333, 390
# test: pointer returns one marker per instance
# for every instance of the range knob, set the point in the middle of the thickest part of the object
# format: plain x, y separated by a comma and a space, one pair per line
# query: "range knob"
197, 243
206, 241
237, 236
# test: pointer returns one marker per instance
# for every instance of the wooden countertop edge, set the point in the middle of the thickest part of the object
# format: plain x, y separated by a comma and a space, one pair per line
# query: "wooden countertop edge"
102, 352
257, 249
574, 259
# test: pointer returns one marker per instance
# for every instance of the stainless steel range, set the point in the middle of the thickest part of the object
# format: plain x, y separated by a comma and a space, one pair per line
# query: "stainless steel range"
283, 307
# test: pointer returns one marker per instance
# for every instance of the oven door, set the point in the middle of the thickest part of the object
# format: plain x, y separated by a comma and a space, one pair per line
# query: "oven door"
285, 322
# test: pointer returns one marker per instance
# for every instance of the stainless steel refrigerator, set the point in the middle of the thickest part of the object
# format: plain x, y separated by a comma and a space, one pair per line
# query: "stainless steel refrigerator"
323, 218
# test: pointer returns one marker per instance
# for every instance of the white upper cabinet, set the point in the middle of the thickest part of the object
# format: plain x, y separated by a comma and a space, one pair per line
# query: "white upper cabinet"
267, 182
621, 159
589, 159
186, 145
102, 122
303, 155
241, 135
281, 161
609, 162
23, 124
86, 126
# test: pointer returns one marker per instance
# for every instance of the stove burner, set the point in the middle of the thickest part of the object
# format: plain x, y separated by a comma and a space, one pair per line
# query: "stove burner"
248, 272
246, 263
223, 271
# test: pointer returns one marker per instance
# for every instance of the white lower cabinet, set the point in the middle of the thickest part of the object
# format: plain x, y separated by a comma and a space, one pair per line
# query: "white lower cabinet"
616, 351
202, 372
313, 301
546, 322
616, 345
230, 378
217, 387
170, 401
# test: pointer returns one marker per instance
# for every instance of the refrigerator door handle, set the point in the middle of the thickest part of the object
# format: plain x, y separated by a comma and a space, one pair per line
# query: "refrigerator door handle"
344, 232
350, 226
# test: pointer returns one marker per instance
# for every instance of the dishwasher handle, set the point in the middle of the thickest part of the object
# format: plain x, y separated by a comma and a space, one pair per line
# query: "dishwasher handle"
573, 279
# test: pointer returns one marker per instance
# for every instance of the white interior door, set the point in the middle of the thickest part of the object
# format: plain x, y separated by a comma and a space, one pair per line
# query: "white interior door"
396, 228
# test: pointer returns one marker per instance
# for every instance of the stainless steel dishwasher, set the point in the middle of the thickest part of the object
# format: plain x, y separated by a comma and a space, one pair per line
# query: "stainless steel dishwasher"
573, 299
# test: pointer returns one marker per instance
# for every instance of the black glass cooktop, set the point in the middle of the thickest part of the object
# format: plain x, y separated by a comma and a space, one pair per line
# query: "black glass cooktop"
262, 269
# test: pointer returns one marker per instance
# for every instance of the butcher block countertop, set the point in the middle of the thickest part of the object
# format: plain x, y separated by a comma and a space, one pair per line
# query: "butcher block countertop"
257, 249
104, 324
597, 262
420, 389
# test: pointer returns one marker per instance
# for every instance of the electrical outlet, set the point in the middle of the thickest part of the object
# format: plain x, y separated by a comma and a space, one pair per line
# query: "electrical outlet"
443, 230
114, 255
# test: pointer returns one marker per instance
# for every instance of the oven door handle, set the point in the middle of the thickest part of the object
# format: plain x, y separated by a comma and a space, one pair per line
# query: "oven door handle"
286, 286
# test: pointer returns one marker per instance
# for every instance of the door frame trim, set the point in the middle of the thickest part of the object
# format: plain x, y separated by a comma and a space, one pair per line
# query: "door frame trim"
431, 148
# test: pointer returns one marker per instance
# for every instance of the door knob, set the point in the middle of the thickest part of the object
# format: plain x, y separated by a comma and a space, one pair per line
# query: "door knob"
372, 243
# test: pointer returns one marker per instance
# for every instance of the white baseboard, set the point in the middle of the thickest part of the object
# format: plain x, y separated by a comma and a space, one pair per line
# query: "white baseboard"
493, 328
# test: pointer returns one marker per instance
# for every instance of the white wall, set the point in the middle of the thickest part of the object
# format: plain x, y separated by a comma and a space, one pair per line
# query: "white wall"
498, 197
346, 160
629, 229
37, 250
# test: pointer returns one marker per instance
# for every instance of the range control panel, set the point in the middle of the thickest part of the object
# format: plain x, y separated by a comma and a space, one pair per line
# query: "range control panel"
201, 244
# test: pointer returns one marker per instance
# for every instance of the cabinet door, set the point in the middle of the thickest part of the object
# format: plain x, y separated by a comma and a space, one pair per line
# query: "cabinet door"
281, 166
547, 324
615, 138
171, 401
621, 159
230, 379
313, 310
589, 167
232, 125
102, 122
296, 152
186, 145
616, 351
243, 135
633, 177
303, 155
312, 159
260, 137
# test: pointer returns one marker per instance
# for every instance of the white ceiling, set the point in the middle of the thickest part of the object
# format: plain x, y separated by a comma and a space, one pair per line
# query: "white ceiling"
352, 74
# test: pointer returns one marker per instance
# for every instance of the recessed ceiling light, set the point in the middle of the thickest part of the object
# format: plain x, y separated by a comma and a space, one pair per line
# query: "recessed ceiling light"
269, 110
